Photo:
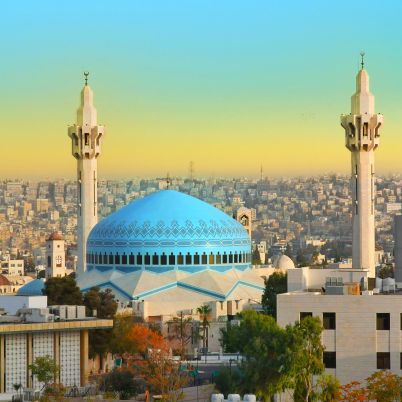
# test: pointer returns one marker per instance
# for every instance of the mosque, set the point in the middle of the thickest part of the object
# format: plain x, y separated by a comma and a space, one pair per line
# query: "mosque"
164, 253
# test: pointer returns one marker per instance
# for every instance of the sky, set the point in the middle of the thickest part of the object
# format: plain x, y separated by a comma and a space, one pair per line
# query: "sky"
230, 85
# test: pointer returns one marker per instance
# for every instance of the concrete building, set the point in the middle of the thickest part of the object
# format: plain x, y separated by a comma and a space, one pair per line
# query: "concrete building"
243, 215
13, 267
29, 329
86, 136
362, 138
398, 248
55, 256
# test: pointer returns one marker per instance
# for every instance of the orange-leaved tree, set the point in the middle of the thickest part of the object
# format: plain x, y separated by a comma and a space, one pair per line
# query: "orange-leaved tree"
353, 392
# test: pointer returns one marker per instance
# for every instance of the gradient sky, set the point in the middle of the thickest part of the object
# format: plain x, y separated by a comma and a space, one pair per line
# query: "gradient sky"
228, 84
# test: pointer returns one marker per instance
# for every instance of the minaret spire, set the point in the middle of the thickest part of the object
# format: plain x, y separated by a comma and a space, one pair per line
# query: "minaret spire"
362, 53
86, 136
362, 138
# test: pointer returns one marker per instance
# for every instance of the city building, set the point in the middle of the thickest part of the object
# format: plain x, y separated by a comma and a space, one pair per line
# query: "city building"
12, 267
169, 251
86, 136
56, 256
29, 329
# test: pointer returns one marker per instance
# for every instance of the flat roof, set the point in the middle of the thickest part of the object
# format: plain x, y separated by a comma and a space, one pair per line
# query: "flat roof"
8, 328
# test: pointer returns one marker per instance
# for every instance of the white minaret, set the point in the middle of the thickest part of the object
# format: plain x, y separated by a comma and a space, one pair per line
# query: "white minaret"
86, 138
362, 139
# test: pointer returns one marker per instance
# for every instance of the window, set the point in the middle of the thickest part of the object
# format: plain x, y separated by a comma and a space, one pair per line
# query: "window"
236, 258
329, 320
131, 259
230, 258
304, 314
117, 259
49, 261
86, 137
172, 259
155, 259
329, 359
383, 321
147, 259
211, 259
204, 259
180, 259
139, 259
163, 259
383, 361
218, 258
188, 259
110, 258
224, 258
124, 259
196, 259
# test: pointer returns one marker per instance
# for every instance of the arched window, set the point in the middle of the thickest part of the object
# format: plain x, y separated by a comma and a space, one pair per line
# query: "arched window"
224, 258
110, 258
172, 259
117, 258
211, 259
204, 259
180, 259
236, 258
196, 259
163, 259
96, 258
230, 258
155, 259
147, 259
218, 259
188, 259
124, 259
139, 259
104, 259
131, 259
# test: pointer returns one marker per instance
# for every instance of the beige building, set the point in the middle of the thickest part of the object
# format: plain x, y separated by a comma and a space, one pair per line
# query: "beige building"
31, 329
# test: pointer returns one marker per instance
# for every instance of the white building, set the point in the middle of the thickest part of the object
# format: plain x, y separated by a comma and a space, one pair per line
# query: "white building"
13, 267
86, 136
56, 256
362, 138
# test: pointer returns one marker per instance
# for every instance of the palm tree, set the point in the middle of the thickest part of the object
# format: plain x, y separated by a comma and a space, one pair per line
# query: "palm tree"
204, 312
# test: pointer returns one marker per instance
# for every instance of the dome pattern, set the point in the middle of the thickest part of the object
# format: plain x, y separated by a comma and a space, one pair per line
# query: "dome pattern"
33, 288
168, 224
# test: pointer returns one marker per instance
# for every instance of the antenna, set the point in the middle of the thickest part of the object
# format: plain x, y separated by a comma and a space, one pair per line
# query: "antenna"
168, 181
362, 54
86, 73
191, 170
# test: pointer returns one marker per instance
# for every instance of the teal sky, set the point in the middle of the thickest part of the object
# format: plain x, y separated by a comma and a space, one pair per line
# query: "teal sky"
228, 84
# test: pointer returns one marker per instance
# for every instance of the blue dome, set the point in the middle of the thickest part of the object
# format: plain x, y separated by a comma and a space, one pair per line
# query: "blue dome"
33, 288
168, 230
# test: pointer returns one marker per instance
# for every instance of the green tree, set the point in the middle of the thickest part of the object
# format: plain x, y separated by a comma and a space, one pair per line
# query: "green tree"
103, 302
328, 388
45, 369
266, 363
384, 386
121, 381
204, 312
275, 284
307, 351
256, 260
229, 380
62, 291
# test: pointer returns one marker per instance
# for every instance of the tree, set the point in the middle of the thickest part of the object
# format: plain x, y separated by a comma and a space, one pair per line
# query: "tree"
353, 392
204, 312
256, 259
384, 386
62, 291
45, 369
229, 380
307, 351
103, 302
265, 348
164, 375
123, 382
181, 330
328, 388
275, 284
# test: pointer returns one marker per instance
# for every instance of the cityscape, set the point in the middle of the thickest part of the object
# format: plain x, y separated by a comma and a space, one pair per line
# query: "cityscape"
200, 201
